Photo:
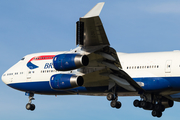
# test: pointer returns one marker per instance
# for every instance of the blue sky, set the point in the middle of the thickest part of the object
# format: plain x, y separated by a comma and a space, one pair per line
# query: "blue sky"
43, 26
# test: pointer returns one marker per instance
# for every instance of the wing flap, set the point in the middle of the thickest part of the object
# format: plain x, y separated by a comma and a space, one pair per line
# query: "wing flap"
106, 65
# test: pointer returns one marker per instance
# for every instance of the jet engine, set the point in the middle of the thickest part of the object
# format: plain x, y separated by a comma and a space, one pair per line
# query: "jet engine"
64, 62
65, 81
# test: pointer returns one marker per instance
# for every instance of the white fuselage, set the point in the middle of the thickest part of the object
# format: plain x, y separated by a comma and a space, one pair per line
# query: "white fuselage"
137, 65
158, 64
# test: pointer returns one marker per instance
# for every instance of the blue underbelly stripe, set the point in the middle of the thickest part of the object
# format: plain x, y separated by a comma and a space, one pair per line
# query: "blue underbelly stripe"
158, 83
150, 83
44, 87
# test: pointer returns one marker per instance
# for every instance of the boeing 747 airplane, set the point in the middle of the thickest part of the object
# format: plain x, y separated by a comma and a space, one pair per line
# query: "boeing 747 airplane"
95, 68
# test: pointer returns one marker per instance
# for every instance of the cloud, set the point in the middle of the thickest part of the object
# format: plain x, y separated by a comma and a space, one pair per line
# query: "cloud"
165, 8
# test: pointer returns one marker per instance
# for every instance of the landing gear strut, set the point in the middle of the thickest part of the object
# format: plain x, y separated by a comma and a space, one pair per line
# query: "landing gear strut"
113, 98
156, 103
29, 105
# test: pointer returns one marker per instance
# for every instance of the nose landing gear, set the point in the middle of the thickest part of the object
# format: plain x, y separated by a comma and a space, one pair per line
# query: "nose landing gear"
29, 105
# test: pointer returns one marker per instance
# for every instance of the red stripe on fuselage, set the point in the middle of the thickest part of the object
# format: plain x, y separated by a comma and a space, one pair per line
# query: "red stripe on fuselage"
43, 57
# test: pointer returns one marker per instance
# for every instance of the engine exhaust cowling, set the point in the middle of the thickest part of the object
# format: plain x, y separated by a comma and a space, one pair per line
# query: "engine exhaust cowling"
65, 81
64, 62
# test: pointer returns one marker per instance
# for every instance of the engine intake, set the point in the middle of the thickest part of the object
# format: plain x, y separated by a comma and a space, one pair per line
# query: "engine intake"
64, 62
65, 81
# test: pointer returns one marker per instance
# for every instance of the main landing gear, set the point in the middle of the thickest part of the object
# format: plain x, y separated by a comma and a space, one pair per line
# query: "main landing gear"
156, 108
29, 105
113, 98
156, 103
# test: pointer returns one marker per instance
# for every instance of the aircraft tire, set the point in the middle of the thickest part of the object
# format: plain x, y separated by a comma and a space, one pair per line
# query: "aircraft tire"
154, 113
143, 104
118, 104
136, 103
28, 106
113, 104
159, 107
32, 107
150, 106
159, 114
110, 97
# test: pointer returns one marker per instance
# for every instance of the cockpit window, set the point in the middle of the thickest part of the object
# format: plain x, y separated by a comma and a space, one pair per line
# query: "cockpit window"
22, 58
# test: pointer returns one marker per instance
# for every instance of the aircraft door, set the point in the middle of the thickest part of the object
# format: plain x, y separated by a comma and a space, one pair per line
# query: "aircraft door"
29, 74
11, 78
168, 66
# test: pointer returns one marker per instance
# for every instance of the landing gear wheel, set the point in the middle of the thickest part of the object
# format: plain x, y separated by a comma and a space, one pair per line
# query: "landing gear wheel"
136, 103
162, 108
150, 106
156, 113
28, 106
159, 107
159, 114
110, 97
118, 104
113, 103
143, 104
32, 107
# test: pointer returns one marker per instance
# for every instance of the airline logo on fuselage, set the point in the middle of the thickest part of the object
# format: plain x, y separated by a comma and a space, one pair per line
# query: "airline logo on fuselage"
48, 66
31, 66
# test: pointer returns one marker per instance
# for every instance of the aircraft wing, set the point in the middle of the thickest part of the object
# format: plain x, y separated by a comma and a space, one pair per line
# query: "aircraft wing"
104, 67
94, 33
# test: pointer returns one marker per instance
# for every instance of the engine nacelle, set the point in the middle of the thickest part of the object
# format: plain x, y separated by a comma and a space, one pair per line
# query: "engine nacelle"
64, 62
65, 81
